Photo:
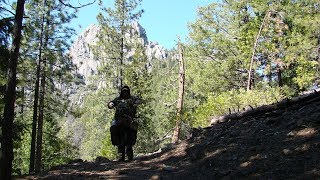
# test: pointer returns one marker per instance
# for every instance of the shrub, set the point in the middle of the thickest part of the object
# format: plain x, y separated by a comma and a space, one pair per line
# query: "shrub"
234, 100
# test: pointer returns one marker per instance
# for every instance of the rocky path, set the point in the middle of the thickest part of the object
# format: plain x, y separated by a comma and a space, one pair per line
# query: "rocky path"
279, 144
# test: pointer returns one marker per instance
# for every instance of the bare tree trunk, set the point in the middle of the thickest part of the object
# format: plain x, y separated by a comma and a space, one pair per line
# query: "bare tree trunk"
34, 120
279, 77
36, 101
269, 75
177, 128
10, 96
23, 94
249, 84
121, 59
122, 47
38, 165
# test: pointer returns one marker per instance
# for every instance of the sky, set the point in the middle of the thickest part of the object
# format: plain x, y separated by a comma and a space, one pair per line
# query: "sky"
163, 20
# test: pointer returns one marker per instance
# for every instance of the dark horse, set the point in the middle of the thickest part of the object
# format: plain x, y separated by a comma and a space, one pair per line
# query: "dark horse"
124, 135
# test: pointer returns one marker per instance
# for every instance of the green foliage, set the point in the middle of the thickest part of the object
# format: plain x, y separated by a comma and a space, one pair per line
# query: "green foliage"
164, 93
221, 45
305, 73
56, 150
139, 79
108, 150
225, 33
21, 152
234, 100
95, 123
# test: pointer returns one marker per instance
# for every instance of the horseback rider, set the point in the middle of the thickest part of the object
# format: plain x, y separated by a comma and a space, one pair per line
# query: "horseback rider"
123, 128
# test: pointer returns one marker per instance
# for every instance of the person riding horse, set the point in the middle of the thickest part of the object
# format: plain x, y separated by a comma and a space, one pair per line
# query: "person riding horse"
123, 128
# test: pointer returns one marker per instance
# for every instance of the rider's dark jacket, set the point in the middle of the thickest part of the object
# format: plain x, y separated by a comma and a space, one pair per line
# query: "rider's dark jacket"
129, 109
125, 104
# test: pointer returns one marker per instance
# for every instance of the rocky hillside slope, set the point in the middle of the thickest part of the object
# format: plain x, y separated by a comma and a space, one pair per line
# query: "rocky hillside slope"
281, 143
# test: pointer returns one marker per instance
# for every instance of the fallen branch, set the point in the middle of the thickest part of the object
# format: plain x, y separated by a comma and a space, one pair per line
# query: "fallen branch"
249, 84
168, 135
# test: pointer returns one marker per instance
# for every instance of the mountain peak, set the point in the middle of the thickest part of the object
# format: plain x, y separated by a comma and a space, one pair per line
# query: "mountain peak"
140, 31
83, 56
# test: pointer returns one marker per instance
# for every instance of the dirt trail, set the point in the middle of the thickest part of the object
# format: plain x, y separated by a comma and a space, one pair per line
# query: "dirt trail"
280, 144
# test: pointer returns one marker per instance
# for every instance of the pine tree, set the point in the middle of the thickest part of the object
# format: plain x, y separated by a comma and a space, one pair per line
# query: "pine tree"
8, 117
139, 79
282, 43
164, 98
44, 39
114, 39
37, 86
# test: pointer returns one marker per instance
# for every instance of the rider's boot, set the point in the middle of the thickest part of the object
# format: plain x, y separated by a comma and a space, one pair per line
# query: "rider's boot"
129, 152
121, 153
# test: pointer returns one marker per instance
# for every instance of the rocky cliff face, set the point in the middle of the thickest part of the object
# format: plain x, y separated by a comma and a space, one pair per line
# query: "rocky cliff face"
82, 55
87, 64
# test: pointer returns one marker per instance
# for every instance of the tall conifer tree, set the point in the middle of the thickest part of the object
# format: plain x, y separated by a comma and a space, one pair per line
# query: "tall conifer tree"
114, 43
10, 96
